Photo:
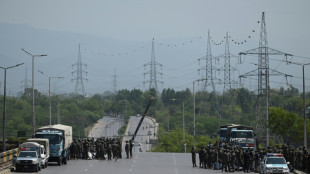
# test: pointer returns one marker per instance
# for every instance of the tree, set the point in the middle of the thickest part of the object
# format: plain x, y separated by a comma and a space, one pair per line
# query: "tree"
284, 124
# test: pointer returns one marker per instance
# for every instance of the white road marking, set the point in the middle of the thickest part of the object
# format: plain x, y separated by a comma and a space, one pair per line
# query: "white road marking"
175, 164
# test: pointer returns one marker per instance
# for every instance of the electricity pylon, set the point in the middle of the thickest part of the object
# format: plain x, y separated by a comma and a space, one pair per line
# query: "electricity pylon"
79, 86
153, 72
263, 72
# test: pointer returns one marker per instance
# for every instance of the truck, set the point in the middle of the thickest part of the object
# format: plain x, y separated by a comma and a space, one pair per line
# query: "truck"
60, 139
45, 143
240, 135
223, 131
30, 156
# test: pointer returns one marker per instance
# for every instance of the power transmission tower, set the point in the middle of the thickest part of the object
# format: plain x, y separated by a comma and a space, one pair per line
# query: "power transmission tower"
228, 70
208, 68
153, 72
263, 72
209, 72
114, 82
26, 81
79, 86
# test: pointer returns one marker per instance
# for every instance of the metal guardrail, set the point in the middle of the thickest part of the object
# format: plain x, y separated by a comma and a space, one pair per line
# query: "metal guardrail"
7, 157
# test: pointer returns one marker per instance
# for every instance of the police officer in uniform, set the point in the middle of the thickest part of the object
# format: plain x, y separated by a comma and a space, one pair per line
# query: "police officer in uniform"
127, 149
193, 151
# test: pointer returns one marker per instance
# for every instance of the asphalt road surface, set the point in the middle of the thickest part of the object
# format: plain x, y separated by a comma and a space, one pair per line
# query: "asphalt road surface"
106, 127
141, 163
144, 135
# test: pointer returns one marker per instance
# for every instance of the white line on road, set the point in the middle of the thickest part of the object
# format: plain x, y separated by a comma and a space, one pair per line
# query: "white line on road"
175, 164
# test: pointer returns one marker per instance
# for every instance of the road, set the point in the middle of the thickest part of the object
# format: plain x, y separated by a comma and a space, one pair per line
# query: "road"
106, 127
145, 133
141, 163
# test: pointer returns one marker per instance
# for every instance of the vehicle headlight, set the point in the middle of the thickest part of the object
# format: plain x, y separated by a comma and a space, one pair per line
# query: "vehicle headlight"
34, 162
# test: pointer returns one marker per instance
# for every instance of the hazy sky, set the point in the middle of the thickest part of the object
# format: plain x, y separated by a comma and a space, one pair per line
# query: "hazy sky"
172, 23
142, 20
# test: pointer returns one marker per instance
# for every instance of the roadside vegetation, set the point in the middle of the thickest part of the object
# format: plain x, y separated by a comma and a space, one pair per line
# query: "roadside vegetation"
236, 106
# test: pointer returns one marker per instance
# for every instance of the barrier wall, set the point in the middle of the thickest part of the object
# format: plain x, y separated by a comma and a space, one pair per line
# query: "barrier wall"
7, 156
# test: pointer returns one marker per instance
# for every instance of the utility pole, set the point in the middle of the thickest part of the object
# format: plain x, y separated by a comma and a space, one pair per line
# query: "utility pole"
4, 105
194, 103
33, 102
263, 72
304, 98
49, 92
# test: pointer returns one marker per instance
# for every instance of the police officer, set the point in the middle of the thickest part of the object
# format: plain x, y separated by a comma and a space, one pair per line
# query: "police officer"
246, 159
127, 149
193, 151
225, 160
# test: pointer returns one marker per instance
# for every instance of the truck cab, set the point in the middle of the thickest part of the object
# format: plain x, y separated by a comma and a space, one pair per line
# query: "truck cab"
56, 143
60, 139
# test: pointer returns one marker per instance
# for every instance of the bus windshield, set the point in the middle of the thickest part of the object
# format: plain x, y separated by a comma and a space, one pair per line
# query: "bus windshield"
241, 134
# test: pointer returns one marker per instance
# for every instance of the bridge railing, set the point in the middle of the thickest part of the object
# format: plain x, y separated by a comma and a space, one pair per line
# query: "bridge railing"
7, 157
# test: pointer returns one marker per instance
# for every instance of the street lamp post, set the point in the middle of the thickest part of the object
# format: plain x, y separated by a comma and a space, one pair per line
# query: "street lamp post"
49, 93
33, 109
194, 109
4, 105
304, 99
194, 143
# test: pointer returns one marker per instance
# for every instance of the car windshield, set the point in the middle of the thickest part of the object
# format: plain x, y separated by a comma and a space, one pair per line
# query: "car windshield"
53, 138
275, 161
241, 135
27, 154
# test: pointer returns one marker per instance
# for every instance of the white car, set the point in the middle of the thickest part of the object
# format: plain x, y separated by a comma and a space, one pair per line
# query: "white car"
274, 163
